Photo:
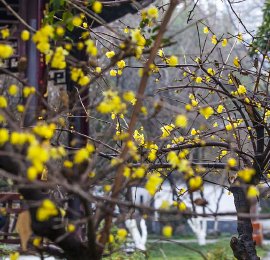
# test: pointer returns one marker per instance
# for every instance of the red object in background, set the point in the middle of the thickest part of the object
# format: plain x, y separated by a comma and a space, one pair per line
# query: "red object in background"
257, 233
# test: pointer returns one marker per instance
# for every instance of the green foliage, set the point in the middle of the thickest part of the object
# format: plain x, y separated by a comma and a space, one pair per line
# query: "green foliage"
263, 36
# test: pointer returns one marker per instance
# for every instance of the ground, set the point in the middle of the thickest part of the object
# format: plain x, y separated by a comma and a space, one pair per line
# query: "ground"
158, 250
219, 250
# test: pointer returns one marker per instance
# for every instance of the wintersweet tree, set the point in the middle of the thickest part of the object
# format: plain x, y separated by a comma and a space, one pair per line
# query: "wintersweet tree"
103, 140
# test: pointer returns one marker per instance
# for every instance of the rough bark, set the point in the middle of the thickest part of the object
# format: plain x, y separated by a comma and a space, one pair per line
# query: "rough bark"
243, 247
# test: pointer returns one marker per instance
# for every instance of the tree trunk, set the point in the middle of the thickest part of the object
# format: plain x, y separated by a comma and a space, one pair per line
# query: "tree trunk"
243, 247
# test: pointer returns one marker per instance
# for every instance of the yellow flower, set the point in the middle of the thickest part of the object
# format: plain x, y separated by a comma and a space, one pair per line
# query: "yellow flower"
220, 108
137, 37
252, 192
236, 62
113, 73
229, 127
153, 152
173, 61
182, 206
153, 183
77, 21
111, 239
130, 96
25, 35
214, 39
71, 228
246, 174
4, 136
194, 102
84, 80
167, 231
45, 131
110, 54
17, 138
231, 162
32, 173
173, 159
241, 90
81, 155
206, 112
46, 210
91, 47
211, 71
20, 108
139, 172
198, 80
37, 241
14, 256
6, 51
13, 90
160, 53
195, 183
205, 30
166, 130
60, 31
239, 37
37, 154
3, 102
5, 33
194, 131
122, 233
97, 7
98, 69
111, 103
121, 64
68, 164
181, 121
224, 42
58, 60
188, 107
28, 91
152, 12
107, 188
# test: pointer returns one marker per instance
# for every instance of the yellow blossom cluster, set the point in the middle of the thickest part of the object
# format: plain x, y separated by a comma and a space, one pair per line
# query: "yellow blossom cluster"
206, 111
129, 96
167, 231
5, 33
28, 90
139, 137
246, 174
6, 51
181, 121
78, 76
44, 130
42, 38
132, 150
166, 130
252, 192
122, 233
138, 172
46, 210
83, 154
58, 59
4, 136
3, 102
178, 161
152, 155
138, 39
195, 183
111, 103
153, 182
